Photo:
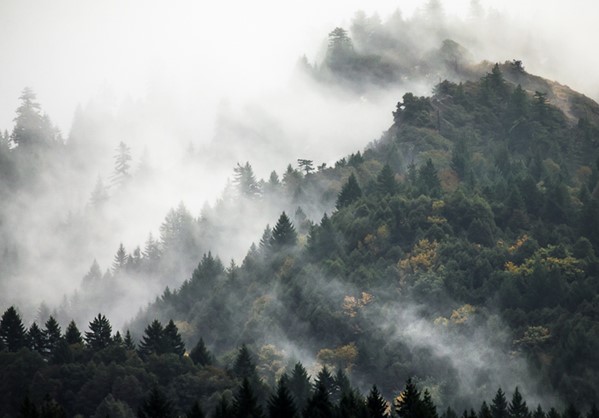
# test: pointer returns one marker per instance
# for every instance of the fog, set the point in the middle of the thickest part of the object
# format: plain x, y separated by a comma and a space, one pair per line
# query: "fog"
193, 90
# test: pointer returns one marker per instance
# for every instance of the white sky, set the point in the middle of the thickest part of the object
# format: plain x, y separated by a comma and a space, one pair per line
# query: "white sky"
67, 50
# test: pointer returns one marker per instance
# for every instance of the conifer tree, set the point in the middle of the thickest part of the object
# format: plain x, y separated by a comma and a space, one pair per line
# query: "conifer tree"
99, 195
376, 404
200, 354
12, 331
223, 409
552, 413
122, 164
571, 412
351, 405
385, 181
350, 192
245, 404
151, 252
319, 405
244, 367
299, 386
99, 335
117, 339
449, 413
245, 181
152, 342
120, 259
53, 334
280, 404
72, 334
517, 407
156, 406
265, 240
326, 379
173, 341
342, 385
499, 405
36, 339
409, 403
128, 341
428, 181
283, 234
51, 409
429, 409
485, 411
539, 413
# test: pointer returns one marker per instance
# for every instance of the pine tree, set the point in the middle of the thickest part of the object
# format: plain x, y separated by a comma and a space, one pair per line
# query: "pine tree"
245, 181
342, 385
120, 259
173, 341
99, 195
485, 411
53, 335
128, 342
195, 411
152, 342
117, 340
156, 406
409, 403
280, 404
429, 409
151, 252
99, 335
552, 413
36, 339
12, 331
200, 354
265, 240
499, 405
299, 386
319, 404
517, 407
245, 404
376, 404
351, 405
72, 334
223, 410
244, 367
283, 234
122, 164
428, 181
326, 379
539, 413
32, 128
385, 181
350, 192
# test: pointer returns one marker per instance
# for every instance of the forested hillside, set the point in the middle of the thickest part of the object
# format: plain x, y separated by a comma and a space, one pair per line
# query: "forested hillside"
458, 250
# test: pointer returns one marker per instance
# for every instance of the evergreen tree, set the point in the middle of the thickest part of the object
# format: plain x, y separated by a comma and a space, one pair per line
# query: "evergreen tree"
72, 334
517, 407
152, 342
156, 406
428, 181
280, 404
319, 404
299, 386
117, 339
51, 409
571, 412
12, 331
376, 404
351, 405
429, 409
449, 413
32, 128
173, 341
244, 367
499, 405
128, 342
326, 379
99, 195
265, 244
539, 413
200, 354
245, 181
350, 192
385, 181
552, 413
195, 411
409, 403
99, 335
245, 404
151, 252
120, 259
485, 411
62, 353
122, 164
36, 339
283, 234
53, 334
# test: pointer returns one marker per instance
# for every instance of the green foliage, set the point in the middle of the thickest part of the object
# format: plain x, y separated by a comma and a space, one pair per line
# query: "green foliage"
283, 234
99, 335
200, 354
350, 192
12, 331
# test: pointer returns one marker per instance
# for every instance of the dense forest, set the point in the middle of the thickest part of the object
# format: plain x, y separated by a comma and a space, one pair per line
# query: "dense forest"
459, 251
448, 269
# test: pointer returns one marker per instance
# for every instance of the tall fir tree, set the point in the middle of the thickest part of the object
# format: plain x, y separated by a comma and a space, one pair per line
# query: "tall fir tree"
200, 354
299, 386
173, 341
517, 407
409, 403
385, 181
245, 403
156, 405
319, 404
244, 366
283, 234
53, 335
280, 404
376, 405
36, 339
350, 192
12, 331
128, 342
152, 342
499, 405
99, 335
72, 334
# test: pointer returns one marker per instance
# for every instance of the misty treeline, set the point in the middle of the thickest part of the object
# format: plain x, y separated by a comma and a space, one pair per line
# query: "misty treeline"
460, 249
69, 374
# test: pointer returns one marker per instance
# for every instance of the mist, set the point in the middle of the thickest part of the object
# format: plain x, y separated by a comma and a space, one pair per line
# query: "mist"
193, 90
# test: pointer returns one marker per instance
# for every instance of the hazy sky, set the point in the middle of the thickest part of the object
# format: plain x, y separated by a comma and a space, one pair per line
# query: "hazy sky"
68, 50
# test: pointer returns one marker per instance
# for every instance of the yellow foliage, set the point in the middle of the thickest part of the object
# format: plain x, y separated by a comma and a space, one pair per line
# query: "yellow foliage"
382, 232
462, 314
438, 204
422, 257
567, 265
343, 356
534, 335
351, 304
286, 266
436, 220
519, 242
441, 321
